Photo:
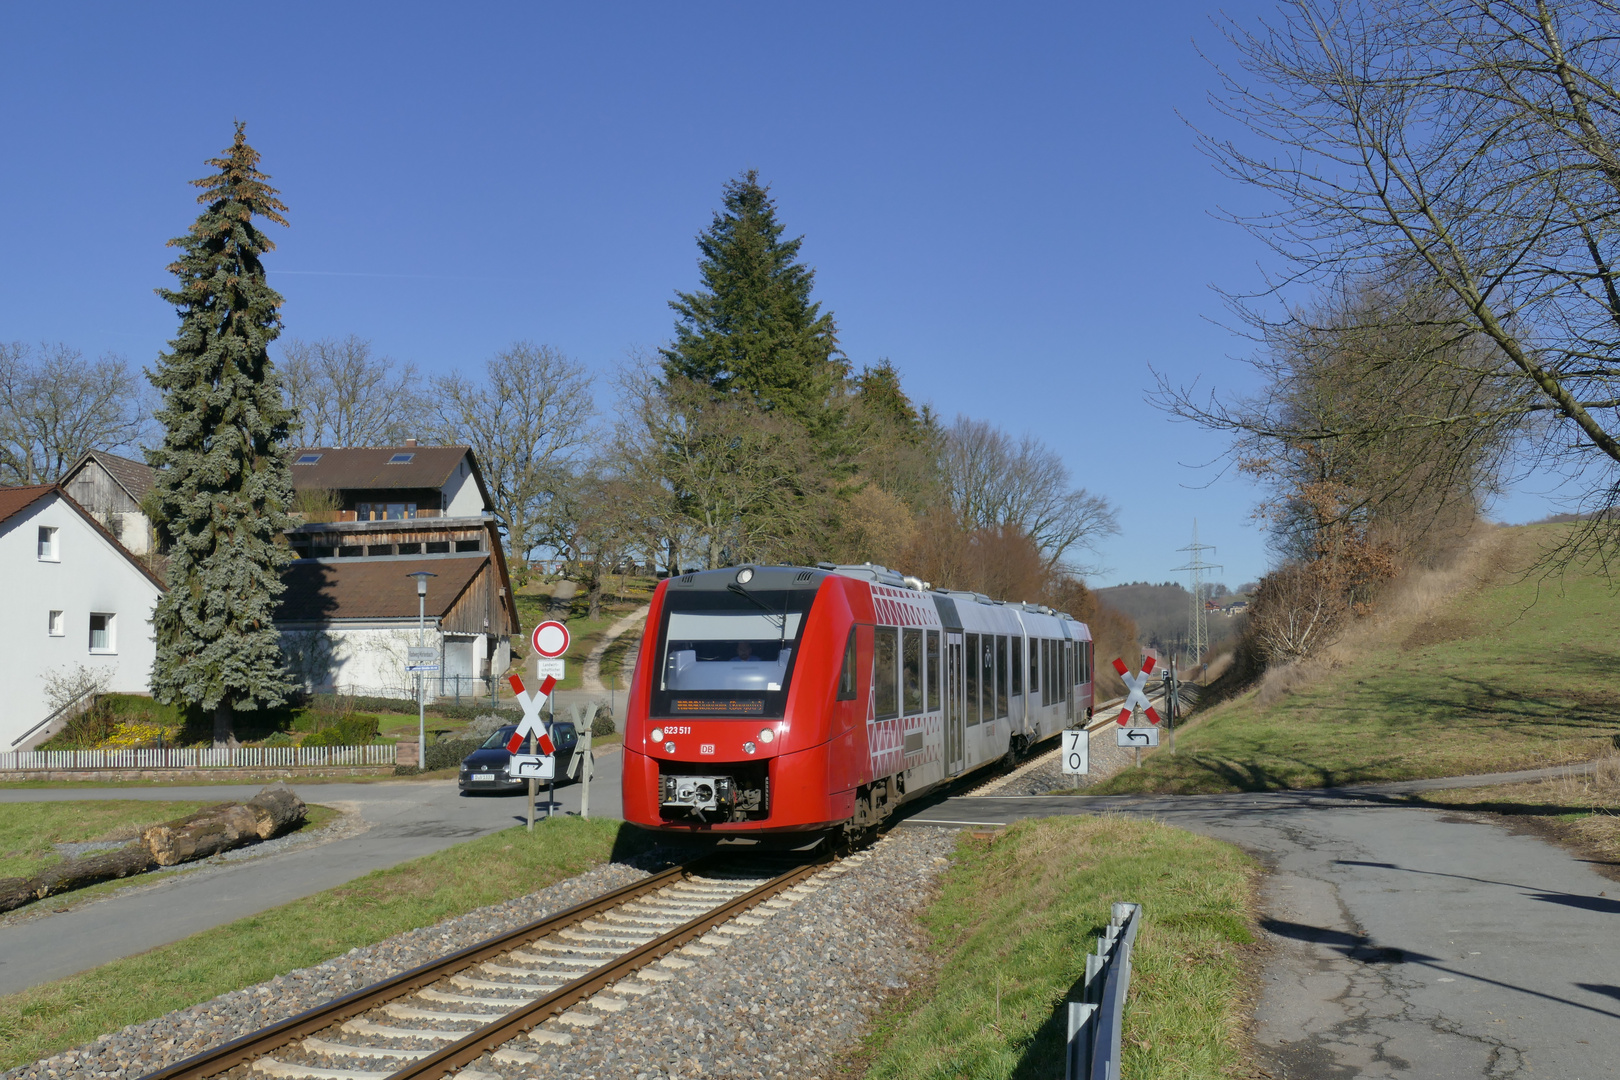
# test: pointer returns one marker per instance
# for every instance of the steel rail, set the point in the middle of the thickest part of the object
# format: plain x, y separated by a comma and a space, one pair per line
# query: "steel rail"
259, 1043
476, 1044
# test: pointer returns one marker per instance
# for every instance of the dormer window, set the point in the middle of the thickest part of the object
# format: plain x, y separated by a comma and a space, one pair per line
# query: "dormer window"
307, 459
401, 459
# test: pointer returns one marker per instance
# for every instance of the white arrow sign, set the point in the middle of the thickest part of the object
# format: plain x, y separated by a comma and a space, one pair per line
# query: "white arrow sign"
1138, 736
531, 766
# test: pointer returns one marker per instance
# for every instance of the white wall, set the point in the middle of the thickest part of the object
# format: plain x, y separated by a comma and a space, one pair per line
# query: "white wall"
369, 661
91, 576
461, 496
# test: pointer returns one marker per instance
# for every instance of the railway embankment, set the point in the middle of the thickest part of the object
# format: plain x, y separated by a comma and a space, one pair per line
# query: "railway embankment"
1488, 667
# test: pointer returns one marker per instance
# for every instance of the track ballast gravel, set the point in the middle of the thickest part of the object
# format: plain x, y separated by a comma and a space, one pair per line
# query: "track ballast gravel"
143, 1048
786, 1000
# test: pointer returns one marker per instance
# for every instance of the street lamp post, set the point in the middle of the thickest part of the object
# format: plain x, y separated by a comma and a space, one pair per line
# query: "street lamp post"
421, 577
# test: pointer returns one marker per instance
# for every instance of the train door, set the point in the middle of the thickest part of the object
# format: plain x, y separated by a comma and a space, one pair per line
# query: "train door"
954, 714
1068, 683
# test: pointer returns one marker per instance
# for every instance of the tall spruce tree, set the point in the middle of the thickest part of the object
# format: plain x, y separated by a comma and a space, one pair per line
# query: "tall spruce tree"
752, 327
223, 488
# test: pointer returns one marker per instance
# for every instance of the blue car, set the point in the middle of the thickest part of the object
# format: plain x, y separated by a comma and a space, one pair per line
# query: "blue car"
485, 769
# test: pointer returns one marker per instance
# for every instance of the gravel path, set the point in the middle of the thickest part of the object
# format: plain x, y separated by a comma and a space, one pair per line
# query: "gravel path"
786, 998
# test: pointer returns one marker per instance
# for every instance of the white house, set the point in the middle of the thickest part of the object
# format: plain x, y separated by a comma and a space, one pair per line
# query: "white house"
74, 598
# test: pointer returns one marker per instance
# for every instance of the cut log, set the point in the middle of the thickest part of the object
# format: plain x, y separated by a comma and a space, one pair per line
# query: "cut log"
207, 832
75, 874
214, 829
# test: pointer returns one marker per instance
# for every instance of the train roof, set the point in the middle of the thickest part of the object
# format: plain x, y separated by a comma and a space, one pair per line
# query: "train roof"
946, 600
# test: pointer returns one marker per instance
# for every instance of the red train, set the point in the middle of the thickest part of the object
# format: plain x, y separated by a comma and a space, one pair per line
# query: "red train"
774, 700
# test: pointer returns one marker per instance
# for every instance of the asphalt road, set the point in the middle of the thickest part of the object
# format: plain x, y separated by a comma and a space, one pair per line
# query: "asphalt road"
1406, 942
404, 819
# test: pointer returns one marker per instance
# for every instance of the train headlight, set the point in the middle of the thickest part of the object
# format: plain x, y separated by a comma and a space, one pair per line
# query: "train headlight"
657, 734
749, 748
745, 575
766, 735
669, 748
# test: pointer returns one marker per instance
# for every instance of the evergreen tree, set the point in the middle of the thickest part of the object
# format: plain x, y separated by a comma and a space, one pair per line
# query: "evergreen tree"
752, 328
223, 487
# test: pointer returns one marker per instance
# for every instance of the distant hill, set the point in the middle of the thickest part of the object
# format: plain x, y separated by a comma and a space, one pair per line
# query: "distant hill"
1161, 613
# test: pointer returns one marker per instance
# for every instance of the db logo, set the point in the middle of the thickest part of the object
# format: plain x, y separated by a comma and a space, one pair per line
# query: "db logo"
706, 748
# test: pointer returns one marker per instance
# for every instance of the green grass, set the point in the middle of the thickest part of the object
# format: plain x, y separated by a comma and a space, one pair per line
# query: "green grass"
1516, 675
316, 817
27, 830
52, 1017
1014, 921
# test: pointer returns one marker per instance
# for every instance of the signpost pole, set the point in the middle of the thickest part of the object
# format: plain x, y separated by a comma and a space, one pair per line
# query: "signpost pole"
531, 804
585, 775
421, 676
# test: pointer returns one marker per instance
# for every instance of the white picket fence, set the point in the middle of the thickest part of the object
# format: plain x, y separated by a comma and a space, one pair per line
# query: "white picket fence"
242, 757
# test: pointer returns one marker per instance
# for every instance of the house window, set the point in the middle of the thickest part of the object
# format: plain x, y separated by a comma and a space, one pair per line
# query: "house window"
438, 547
47, 544
401, 459
362, 512
307, 459
102, 638
57, 625
469, 545
410, 549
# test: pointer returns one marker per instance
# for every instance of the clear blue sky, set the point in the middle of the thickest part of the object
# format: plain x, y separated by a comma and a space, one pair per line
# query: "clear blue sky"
999, 198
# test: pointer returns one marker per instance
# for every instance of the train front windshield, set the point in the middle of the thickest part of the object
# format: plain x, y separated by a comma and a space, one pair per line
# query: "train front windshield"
728, 653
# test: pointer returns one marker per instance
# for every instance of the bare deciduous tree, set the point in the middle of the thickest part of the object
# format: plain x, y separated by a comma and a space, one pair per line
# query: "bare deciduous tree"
55, 405
990, 482
344, 395
527, 421
1358, 392
1473, 145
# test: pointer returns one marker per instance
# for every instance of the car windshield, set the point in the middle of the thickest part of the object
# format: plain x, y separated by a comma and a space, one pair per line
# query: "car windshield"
729, 653
497, 741
562, 733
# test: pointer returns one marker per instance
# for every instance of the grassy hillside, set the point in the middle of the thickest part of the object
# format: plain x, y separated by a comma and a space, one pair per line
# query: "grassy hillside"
1500, 670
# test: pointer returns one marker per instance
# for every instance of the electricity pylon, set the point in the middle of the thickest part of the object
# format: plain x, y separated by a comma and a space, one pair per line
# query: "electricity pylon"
1198, 619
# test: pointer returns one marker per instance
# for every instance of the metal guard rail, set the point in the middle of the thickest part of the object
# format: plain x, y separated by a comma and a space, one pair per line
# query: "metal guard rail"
1097, 1020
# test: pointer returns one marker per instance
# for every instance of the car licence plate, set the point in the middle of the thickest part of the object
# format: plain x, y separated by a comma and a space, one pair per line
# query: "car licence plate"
483, 776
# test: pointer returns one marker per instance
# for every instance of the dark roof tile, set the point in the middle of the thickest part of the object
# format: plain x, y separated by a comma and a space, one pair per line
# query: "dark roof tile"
367, 468
371, 588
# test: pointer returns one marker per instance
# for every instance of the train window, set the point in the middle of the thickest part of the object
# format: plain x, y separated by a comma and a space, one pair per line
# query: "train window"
931, 679
885, 671
911, 675
724, 654
972, 694
847, 675
1017, 666
1066, 683
1034, 666
1001, 676
1046, 671
987, 675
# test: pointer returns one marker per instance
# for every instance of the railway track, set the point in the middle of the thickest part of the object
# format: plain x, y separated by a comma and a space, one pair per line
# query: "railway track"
513, 995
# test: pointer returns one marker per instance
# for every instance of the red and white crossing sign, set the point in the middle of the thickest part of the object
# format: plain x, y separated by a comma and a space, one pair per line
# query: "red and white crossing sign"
1137, 699
531, 724
550, 639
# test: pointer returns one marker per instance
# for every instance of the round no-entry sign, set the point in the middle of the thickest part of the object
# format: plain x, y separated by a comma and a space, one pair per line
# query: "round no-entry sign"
550, 639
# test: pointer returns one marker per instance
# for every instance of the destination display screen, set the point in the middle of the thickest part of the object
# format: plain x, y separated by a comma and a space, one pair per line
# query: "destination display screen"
679, 706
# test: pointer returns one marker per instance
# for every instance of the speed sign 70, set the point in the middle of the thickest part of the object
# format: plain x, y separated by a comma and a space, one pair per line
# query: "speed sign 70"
1076, 752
